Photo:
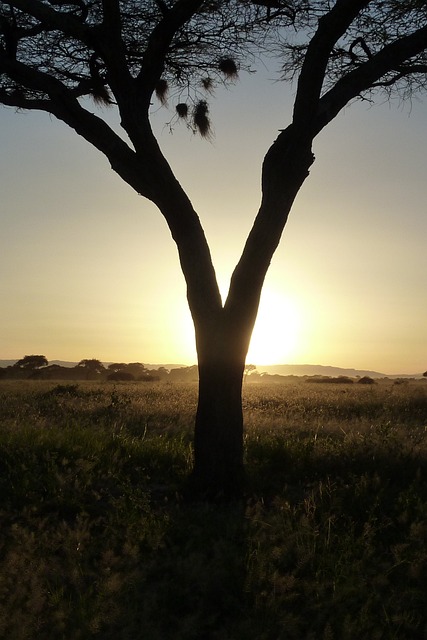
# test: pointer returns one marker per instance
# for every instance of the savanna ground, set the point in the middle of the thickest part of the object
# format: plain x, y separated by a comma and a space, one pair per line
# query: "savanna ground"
96, 541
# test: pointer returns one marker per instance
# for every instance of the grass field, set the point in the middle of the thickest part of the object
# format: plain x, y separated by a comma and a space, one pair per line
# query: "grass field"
329, 543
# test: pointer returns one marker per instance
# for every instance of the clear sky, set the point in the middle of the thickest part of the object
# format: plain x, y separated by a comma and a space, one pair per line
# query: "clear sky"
88, 268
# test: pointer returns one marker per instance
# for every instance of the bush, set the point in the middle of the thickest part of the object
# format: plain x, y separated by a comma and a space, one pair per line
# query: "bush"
326, 379
121, 376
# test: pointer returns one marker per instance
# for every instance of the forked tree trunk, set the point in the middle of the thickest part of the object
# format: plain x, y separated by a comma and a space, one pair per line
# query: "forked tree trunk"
223, 338
222, 331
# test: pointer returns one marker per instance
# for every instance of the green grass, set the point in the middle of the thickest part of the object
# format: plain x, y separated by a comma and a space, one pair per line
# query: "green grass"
330, 541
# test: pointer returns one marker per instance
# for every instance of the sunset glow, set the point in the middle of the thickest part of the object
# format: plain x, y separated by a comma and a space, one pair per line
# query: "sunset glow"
89, 268
276, 333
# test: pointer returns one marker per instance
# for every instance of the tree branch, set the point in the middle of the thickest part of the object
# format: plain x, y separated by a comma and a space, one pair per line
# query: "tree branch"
286, 166
112, 16
363, 78
361, 42
159, 42
402, 72
113, 50
332, 26
52, 19
65, 107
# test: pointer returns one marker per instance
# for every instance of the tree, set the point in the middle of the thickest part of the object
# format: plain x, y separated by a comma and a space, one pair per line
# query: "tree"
248, 368
116, 367
91, 365
31, 362
54, 54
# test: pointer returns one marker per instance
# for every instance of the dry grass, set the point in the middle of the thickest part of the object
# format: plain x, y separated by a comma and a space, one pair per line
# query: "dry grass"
329, 542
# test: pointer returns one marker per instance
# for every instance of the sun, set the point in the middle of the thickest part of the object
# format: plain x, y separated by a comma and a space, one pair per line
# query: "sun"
275, 339
275, 336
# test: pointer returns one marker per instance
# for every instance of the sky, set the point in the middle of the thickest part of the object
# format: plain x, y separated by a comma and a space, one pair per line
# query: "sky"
89, 270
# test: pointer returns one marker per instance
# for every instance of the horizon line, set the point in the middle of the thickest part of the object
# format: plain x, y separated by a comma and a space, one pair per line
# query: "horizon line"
257, 366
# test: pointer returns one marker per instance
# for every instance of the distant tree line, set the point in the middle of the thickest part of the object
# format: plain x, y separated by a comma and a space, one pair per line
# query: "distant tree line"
37, 367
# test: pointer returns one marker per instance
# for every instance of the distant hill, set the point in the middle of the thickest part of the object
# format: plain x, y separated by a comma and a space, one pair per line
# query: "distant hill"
7, 363
322, 370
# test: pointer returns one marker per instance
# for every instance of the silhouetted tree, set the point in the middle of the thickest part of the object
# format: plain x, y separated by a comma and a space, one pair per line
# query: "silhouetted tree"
425, 374
161, 373
115, 367
138, 370
122, 375
131, 371
248, 368
31, 362
54, 53
91, 365
184, 374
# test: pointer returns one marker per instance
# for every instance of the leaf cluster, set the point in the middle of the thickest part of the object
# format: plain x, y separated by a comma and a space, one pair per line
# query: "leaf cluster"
91, 47
53, 53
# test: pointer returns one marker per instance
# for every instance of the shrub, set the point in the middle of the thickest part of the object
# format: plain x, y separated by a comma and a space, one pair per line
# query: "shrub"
121, 376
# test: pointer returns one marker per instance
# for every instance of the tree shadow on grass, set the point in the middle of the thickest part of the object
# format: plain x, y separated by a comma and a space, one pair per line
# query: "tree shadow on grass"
329, 542
105, 546
193, 586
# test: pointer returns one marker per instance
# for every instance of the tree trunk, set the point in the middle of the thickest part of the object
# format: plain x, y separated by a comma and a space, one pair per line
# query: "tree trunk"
218, 439
223, 335
222, 345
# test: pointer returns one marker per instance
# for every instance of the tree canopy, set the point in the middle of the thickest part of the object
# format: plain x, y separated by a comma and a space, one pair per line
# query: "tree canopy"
31, 362
91, 364
55, 52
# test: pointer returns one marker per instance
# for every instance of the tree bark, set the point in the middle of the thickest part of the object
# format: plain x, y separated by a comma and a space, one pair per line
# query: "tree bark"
218, 437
